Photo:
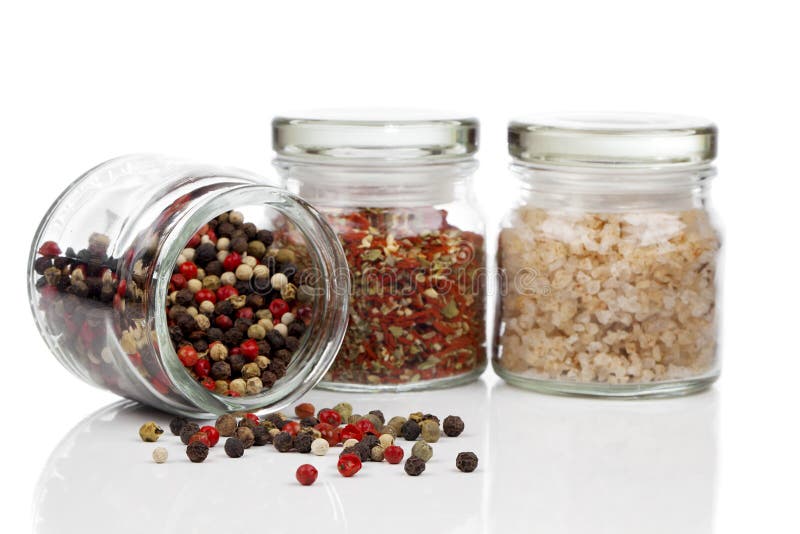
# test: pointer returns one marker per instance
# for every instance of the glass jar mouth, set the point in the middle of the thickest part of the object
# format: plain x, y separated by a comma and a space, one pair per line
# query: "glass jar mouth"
613, 140
317, 350
375, 136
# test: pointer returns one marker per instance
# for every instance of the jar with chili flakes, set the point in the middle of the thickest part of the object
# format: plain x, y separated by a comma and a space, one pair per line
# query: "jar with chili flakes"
397, 190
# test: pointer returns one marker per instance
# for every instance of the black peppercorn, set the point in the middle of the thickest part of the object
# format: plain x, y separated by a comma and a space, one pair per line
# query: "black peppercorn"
177, 424
234, 447
239, 245
283, 441
214, 334
215, 268
275, 419
414, 466
225, 229
350, 450
302, 442
261, 435
379, 415
430, 416
410, 430
205, 253
220, 371
265, 236
370, 440
197, 451
223, 307
249, 230
268, 379
188, 430
309, 421
453, 426
278, 367
184, 297
233, 337
236, 361
275, 340
466, 462
292, 344
296, 329
363, 451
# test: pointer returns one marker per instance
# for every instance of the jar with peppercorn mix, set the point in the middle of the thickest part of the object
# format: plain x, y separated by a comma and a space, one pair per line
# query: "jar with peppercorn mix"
609, 258
397, 190
190, 288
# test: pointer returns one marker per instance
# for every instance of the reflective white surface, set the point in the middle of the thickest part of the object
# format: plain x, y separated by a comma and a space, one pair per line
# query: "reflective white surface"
547, 464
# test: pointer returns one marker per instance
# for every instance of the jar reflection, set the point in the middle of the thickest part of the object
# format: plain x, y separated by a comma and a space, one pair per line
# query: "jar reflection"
579, 465
101, 478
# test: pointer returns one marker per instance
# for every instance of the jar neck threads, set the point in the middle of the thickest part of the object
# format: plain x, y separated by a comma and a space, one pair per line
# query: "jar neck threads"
385, 184
611, 189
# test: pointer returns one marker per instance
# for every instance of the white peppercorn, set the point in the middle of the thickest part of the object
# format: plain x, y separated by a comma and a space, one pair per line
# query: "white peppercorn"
261, 271
279, 281
238, 385
244, 272
386, 440
282, 329
227, 278
320, 446
250, 261
235, 217
223, 243
160, 455
218, 352
194, 285
352, 442
287, 318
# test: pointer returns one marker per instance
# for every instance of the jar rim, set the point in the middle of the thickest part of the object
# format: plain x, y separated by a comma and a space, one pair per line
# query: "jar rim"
316, 354
375, 135
613, 140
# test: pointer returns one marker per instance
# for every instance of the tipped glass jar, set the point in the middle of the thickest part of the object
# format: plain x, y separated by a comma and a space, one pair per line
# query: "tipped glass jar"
609, 259
190, 288
397, 190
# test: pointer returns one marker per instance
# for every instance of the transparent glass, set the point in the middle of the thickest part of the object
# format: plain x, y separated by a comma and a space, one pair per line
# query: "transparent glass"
137, 214
609, 281
414, 241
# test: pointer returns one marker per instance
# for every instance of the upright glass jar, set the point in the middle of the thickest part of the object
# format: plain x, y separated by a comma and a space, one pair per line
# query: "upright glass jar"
134, 291
609, 258
397, 190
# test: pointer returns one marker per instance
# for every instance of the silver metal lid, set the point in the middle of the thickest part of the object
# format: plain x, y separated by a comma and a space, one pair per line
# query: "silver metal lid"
371, 135
613, 139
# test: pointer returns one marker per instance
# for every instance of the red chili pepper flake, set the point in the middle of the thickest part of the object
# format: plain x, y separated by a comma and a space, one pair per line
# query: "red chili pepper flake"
417, 306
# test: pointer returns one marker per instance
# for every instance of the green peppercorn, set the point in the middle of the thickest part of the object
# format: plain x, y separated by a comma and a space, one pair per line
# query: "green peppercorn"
379, 415
414, 466
422, 450
176, 425
374, 419
416, 416
453, 426
246, 436
283, 441
189, 430
397, 423
197, 451
345, 409
410, 430
226, 425
430, 417
429, 430
150, 431
245, 422
234, 447
376, 453
387, 430
466, 462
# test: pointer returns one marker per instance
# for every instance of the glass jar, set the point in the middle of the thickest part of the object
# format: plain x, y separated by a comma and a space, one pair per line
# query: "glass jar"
609, 258
141, 231
397, 190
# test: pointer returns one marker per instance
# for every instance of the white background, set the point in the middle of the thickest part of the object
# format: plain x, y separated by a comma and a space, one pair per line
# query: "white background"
85, 81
